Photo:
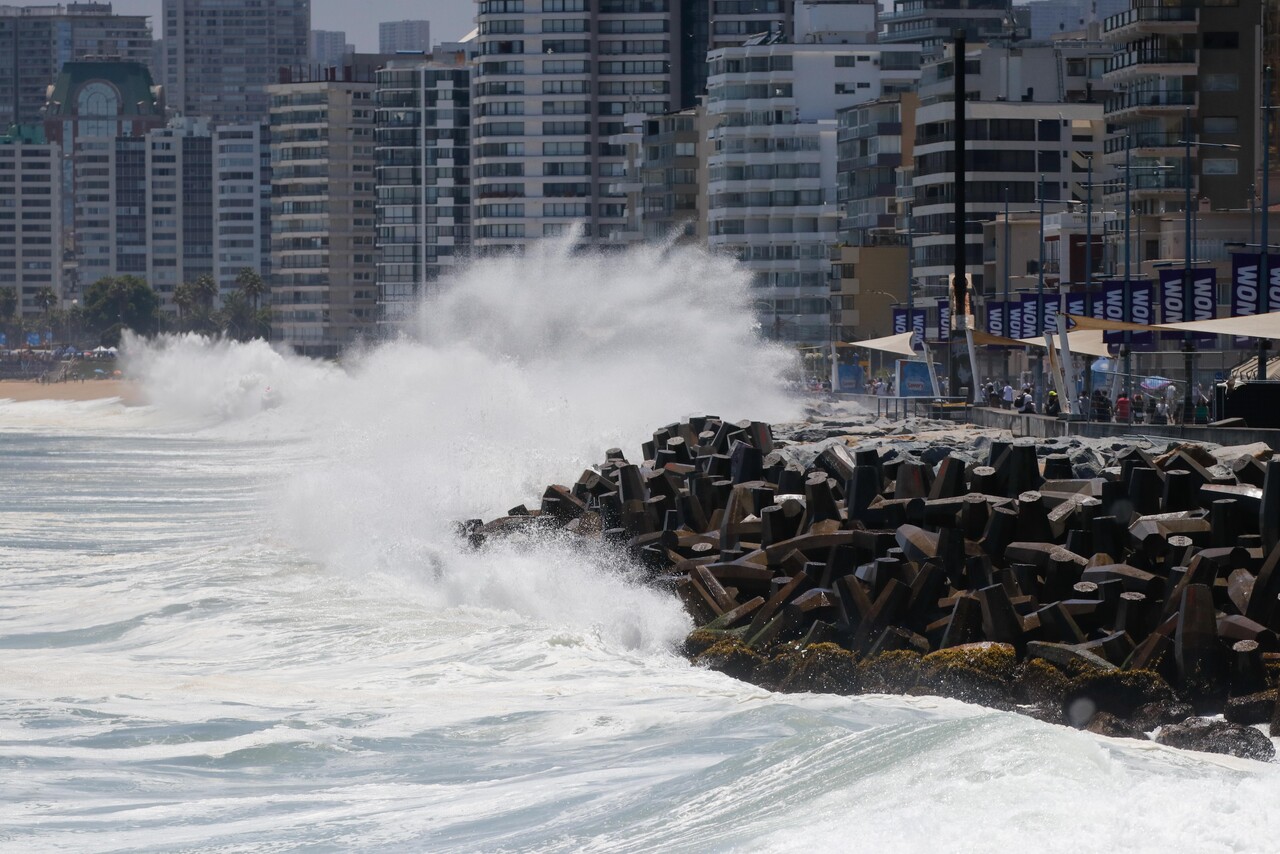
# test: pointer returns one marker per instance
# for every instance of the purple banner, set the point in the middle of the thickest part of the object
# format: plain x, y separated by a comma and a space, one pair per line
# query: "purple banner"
1204, 301
944, 320
995, 317
1246, 292
1076, 303
899, 321
1141, 310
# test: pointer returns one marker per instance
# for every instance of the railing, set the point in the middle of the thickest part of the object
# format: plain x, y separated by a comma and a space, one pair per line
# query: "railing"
1167, 56
1151, 13
1143, 140
1134, 100
896, 408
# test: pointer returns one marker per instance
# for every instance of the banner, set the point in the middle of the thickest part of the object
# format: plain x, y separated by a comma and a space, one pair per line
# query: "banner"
1204, 302
944, 320
1051, 313
918, 318
1077, 304
899, 321
1141, 310
1030, 318
4, 340
995, 317
33, 339
1246, 293
913, 379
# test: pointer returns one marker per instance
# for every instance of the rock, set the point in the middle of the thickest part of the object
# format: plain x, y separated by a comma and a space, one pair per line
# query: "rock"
975, 673
1252, 709
1153, 715
1105, 723
823, 668
1117, 692
894, 672
731, 657
701, 640
1037, 682
1218, 737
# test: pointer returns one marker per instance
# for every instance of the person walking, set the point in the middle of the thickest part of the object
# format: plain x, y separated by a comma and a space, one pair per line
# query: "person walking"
1006, 396
1122, 409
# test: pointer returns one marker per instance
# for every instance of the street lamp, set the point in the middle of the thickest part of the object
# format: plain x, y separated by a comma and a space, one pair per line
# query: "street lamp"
1188, 338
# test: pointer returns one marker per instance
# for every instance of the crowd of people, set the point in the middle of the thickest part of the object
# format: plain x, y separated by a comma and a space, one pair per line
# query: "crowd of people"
1165, 406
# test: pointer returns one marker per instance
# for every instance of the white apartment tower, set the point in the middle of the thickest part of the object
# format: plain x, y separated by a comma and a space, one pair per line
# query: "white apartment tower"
423, 176
395, 36
772, 177
553, 82
220, 55
30, 217
323, 292
241, 203
328, 47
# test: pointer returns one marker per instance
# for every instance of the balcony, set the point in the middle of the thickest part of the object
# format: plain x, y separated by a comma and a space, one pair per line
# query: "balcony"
1150, 61
1122, 105
1151, 19
1155, 144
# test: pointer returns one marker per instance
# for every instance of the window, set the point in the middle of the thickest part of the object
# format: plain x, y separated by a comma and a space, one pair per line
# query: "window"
565, 6
1229, 40
1220, 82
1221, 124
1220, 166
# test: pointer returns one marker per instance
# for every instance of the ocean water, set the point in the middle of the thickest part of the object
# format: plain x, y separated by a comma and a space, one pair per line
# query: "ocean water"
234, 620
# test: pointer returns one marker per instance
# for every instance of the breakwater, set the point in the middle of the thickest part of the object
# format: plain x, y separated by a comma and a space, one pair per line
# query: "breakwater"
1112, 586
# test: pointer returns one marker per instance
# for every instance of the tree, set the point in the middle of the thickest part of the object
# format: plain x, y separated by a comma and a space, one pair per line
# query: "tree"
184, 297
8, 304
251, 285
243, 322
115, 303
206, 290
45, 300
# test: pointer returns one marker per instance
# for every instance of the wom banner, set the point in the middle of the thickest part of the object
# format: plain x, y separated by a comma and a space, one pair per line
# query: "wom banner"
1141, 310
1077, 304
944, 320
1246, 292
901, 325
899, 321
1204, 301
995, 317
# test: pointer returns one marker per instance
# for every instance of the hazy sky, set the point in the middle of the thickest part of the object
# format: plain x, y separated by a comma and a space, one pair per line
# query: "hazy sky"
359, 18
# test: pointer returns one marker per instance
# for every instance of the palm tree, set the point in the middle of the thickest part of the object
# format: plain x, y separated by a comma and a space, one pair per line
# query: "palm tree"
184, 297
251, 285
206, 290
45, 300
8, 306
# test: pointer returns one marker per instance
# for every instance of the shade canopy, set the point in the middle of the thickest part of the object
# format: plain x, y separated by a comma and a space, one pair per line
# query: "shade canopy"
1252, 326
899, 344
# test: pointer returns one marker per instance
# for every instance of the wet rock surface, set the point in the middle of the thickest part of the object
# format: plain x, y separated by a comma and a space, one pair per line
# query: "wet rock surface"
1118, 586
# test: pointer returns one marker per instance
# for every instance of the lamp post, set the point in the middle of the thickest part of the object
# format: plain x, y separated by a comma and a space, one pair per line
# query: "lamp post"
1264, 261
1188, 337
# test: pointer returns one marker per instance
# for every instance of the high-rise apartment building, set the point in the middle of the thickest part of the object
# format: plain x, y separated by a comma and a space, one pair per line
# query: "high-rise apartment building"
933, 23
1184, 70
144, 206
178, 184
1050, 18
553, 82
30, 216
395, 36
423, 176
241, 203
323, 254
220, 55
36, 41
328, 47
772, 177
91, 106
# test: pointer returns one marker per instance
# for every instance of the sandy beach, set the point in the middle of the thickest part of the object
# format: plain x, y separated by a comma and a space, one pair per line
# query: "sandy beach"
29, 390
